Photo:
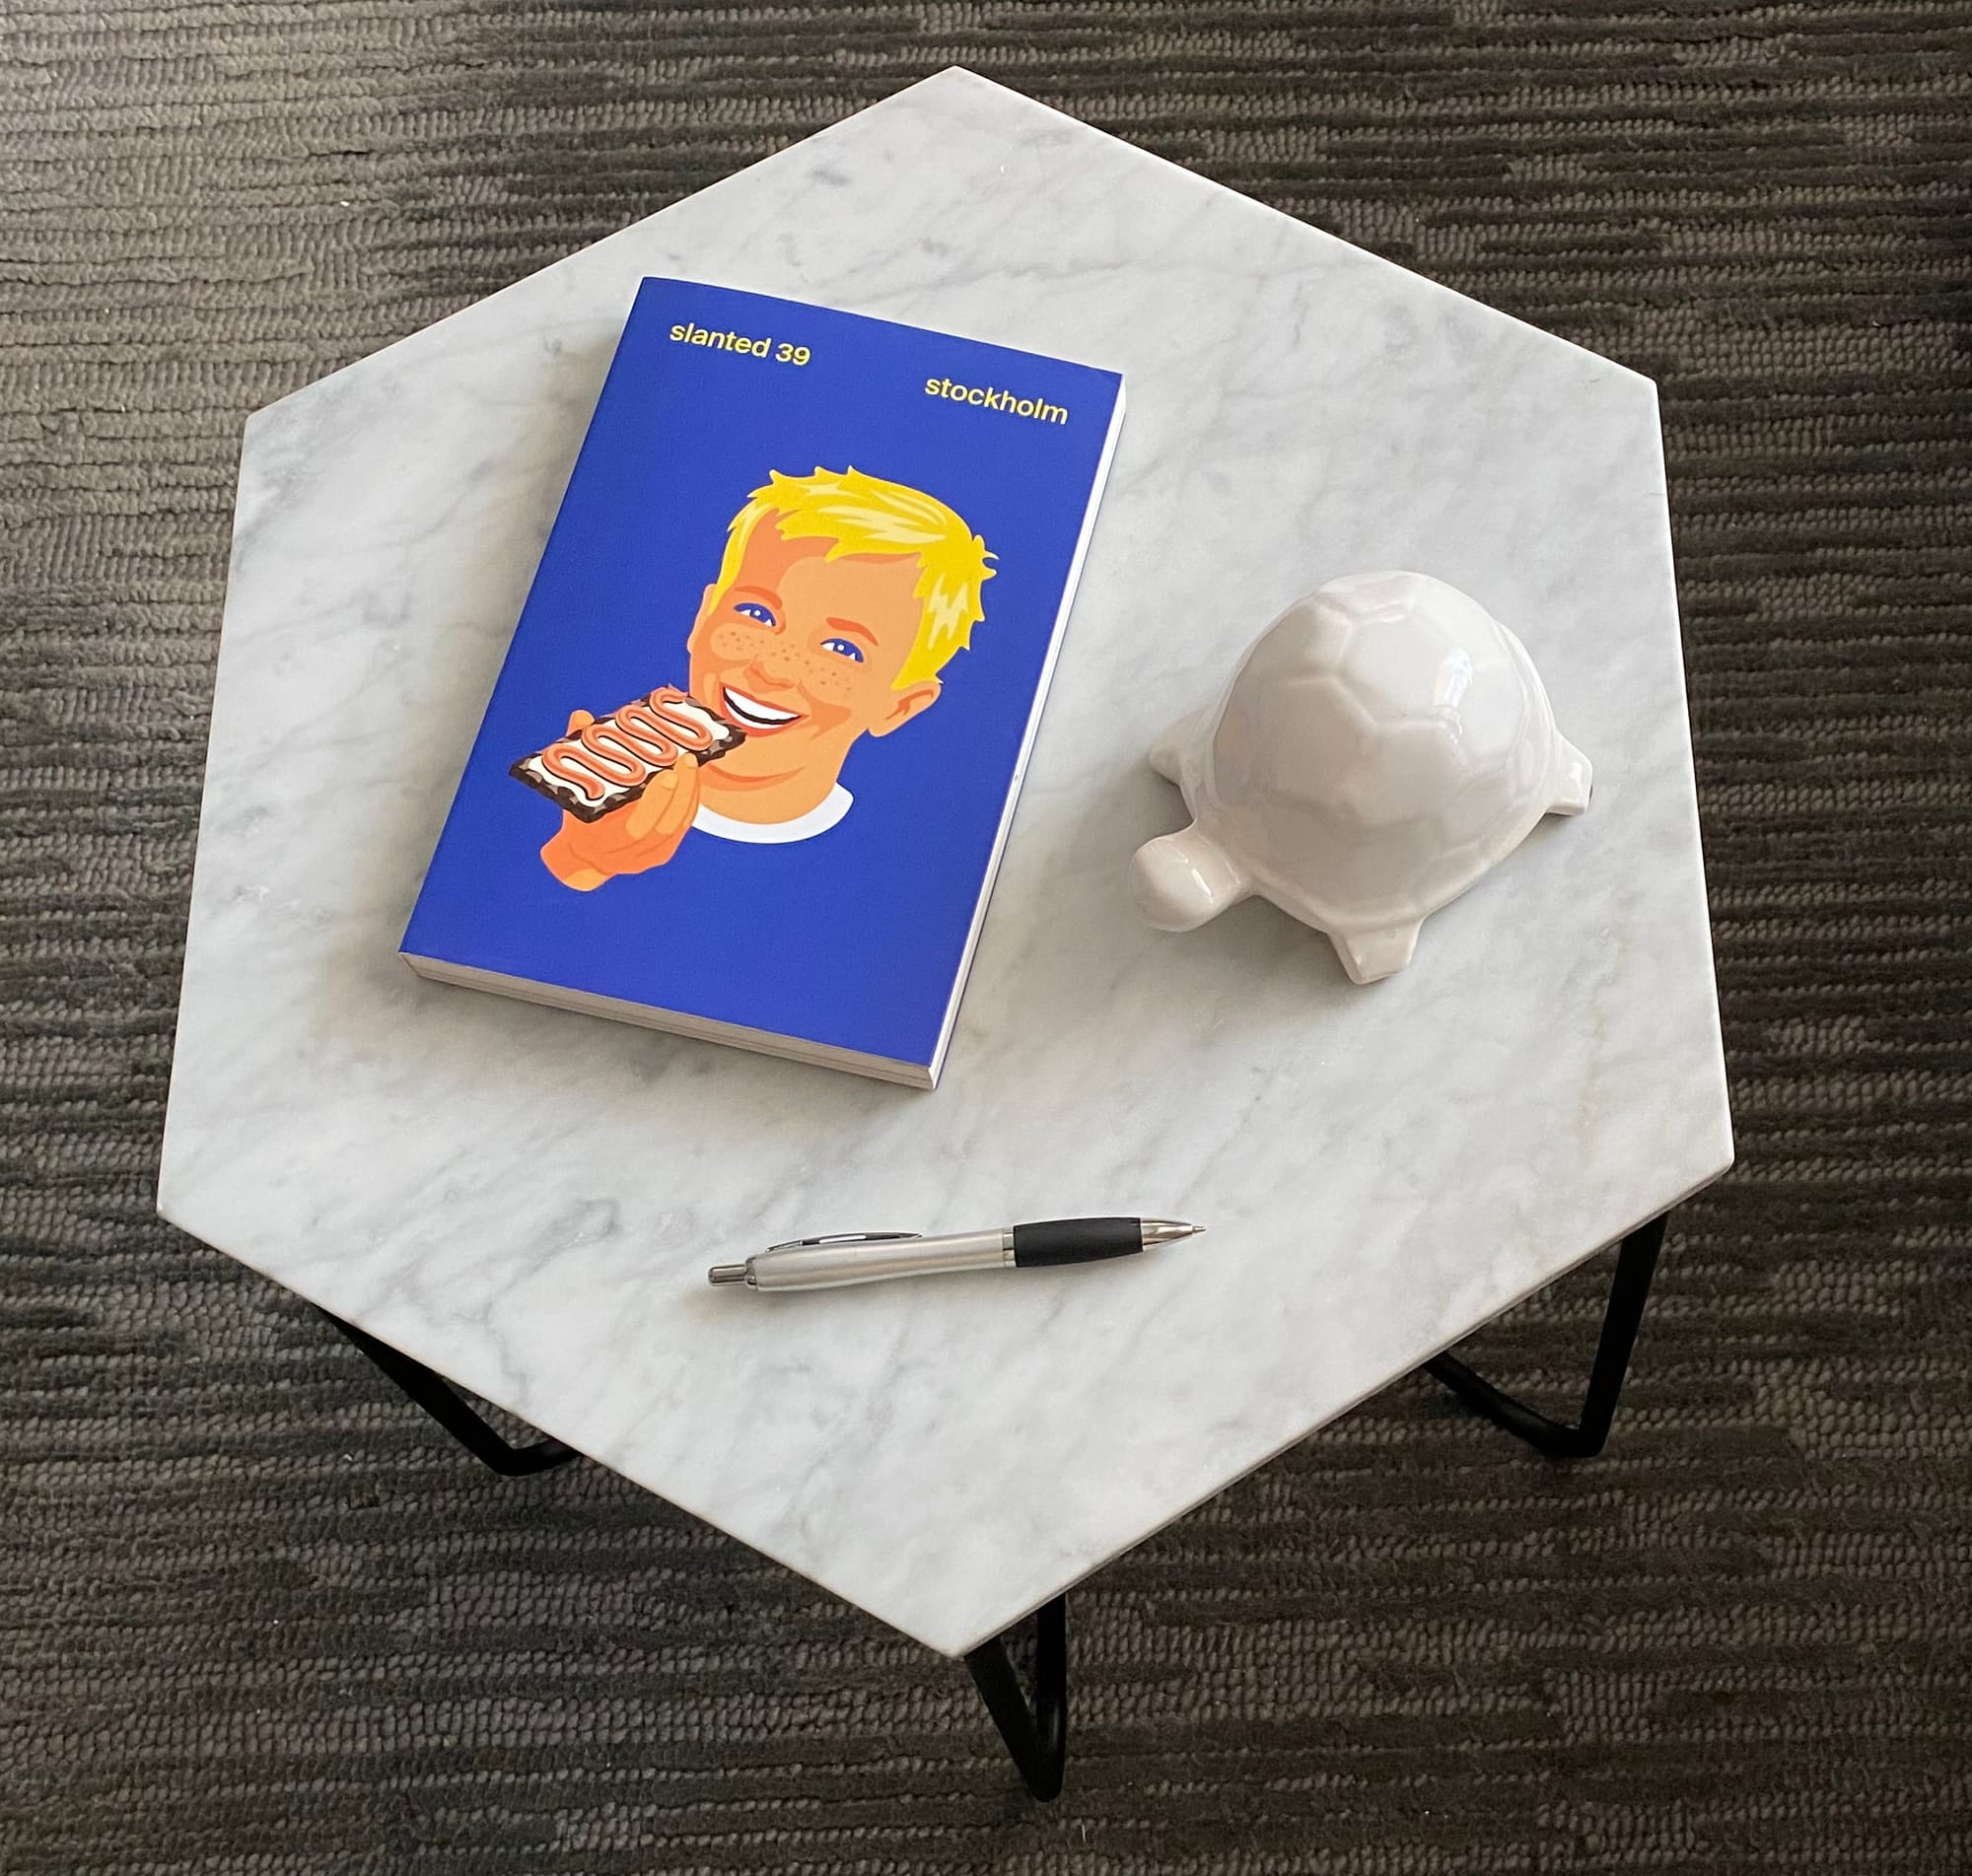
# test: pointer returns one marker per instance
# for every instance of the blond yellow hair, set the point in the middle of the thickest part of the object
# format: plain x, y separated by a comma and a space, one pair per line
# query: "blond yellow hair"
863, 514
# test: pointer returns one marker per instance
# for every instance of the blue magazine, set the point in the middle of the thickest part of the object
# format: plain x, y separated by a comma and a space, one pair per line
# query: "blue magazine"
749, 764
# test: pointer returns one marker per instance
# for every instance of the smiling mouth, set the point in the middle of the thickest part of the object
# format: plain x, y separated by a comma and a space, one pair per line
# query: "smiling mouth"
750, 714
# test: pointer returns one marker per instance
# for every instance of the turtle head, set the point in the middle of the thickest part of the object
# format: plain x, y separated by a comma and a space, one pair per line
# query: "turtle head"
1180, 881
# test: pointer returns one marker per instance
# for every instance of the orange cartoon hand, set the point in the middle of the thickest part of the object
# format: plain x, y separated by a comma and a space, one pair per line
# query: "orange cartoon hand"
633, 838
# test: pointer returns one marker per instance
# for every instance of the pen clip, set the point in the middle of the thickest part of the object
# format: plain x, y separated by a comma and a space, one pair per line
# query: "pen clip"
843, 1237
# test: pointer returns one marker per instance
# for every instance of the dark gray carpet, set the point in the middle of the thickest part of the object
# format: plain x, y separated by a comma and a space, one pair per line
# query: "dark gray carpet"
258, 1619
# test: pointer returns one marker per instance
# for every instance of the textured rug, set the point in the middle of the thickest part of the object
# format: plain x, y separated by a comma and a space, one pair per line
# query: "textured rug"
259, 1619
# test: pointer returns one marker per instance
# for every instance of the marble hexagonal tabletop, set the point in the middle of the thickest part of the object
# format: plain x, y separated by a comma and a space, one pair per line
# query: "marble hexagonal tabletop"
527, 1201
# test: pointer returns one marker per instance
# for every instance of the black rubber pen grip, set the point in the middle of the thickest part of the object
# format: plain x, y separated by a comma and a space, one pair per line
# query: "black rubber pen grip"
1076, 1240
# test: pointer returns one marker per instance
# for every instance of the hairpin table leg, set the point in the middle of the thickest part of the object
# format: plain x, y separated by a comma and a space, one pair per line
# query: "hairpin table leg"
1036, 1735
438, 1398
1635, 1263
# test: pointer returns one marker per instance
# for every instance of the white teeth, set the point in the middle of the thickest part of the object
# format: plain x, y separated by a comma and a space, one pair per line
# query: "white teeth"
749, 709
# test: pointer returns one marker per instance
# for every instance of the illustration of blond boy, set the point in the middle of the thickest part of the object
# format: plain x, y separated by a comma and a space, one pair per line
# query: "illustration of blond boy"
830, 624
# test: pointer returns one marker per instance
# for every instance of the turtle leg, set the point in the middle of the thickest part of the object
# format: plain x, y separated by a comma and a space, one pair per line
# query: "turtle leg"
1572, 780
1168, 752
1369, 955
1180, 880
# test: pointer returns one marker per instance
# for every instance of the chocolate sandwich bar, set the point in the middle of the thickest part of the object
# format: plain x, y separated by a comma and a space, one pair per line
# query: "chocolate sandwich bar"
609, 764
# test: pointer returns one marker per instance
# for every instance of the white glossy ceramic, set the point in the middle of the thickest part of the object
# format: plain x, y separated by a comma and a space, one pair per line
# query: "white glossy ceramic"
1382, 743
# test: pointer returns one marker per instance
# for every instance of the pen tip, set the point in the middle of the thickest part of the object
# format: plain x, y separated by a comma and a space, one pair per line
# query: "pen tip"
1167, 1230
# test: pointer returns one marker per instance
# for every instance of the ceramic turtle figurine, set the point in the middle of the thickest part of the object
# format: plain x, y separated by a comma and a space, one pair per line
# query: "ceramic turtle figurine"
1383, 742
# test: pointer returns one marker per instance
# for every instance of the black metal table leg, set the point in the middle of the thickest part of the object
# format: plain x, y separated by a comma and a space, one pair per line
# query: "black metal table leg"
438, 1398
1036, 1734
1636, 1262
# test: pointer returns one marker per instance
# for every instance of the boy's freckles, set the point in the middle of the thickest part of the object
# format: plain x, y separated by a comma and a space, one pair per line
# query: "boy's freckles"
834, 636
802, 652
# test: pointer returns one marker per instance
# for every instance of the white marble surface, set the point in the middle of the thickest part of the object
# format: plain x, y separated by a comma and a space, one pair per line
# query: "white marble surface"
528, 1200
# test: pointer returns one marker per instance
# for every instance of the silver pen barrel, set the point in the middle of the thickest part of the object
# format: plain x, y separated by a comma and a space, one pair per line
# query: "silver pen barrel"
829, 1266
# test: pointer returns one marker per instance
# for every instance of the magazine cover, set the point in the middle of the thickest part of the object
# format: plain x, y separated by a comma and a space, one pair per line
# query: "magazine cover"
752, 756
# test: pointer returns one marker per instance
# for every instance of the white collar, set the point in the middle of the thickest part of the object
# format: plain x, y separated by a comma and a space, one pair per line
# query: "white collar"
818, 820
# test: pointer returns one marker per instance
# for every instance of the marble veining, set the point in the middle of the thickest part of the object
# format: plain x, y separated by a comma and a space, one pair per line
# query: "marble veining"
528, 1200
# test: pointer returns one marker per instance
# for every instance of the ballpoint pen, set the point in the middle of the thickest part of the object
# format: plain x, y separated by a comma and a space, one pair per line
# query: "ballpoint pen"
865, 1257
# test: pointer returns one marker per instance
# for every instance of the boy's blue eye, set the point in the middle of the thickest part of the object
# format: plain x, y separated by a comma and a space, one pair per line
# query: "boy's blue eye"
748, 610
842, 649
